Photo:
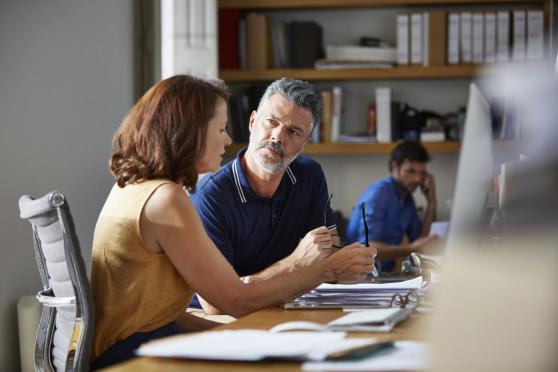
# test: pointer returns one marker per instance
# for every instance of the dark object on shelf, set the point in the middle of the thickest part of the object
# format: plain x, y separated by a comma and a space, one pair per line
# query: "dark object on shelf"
432, 127
451, 127
370, 41
410, 123
395, 111
306, 44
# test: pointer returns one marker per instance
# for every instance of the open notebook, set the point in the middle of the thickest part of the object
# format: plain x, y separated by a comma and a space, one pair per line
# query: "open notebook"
255, 345
373, 320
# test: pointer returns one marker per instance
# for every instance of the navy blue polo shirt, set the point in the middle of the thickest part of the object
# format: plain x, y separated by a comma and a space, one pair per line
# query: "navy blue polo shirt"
254, 232
389, 217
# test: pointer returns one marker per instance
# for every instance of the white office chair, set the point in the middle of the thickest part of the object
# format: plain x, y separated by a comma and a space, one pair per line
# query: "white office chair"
65, 331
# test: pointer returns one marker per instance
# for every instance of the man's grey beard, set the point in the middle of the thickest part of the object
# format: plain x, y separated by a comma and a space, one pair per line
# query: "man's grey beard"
273, 167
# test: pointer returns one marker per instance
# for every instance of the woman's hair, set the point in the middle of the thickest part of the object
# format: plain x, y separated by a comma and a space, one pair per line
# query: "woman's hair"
164, 133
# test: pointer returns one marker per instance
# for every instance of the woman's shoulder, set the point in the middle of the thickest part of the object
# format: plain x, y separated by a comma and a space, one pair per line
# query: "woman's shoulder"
167, 202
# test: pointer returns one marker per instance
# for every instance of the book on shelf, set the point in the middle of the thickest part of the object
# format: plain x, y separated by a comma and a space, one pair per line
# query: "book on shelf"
535, 35
402, 32
356, 138
305, 43
416, 39
229, 41
327, 64
503, 29
519, 39
279, 44
434, 35
383, 117
242, 44
466, 23
453, 38
357, 53
489, 37
337, 102
257, 55
327, 110
478, 37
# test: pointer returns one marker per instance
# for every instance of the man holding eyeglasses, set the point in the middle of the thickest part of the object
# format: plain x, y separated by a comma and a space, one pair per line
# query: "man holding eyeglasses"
267, 210
390, 208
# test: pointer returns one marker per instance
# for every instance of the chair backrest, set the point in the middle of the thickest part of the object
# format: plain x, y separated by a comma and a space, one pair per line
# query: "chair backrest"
65, 331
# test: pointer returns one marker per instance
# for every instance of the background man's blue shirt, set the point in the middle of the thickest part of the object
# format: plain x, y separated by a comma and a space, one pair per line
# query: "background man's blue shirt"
253, 232
389, 216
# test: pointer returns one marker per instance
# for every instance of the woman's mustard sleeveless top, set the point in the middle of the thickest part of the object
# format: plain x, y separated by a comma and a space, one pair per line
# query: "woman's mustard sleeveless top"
134, 290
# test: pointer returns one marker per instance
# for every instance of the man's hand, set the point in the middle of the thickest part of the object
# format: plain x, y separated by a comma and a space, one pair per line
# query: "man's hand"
352, 263
316, 245
423, 245
428, 188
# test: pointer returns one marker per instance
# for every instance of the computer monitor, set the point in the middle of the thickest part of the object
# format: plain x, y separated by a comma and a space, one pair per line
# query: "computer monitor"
474, 173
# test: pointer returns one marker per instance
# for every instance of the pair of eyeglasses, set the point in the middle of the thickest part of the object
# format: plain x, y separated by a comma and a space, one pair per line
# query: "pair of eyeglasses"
327, 205
402, 300
365, 224
374, 273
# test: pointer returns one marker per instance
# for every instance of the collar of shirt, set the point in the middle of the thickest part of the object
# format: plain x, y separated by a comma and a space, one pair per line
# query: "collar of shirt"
243, 188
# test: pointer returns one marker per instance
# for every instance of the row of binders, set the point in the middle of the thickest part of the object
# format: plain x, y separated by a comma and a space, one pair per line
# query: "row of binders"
437, 38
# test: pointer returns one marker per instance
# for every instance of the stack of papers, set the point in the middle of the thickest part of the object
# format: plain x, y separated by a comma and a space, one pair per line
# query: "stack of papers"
352, 296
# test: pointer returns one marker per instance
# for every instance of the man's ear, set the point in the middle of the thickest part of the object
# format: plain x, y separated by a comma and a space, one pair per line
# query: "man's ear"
393, 167
251, 121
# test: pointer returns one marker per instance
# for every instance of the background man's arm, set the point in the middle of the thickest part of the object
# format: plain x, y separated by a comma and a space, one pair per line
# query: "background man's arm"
394, 251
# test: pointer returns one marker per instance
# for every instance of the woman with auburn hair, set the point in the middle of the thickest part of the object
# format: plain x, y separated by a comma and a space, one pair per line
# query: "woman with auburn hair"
150, 250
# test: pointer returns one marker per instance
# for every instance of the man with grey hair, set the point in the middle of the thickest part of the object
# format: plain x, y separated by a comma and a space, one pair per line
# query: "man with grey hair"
267, 209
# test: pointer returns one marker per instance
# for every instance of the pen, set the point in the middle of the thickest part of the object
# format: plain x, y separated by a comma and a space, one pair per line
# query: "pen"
375, 273
325, 209
361, 352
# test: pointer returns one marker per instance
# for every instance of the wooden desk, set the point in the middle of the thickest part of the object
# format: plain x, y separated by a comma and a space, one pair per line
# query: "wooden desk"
264, 319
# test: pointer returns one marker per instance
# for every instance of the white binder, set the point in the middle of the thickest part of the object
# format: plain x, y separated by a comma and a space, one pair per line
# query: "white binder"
453, 38
489, 37
478, 37
519, 29
466, 31
535, 35
503, 36
403, 39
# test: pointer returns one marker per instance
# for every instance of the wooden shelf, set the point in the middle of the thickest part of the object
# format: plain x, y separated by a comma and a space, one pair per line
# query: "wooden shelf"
442, 72
293, 4
359, 148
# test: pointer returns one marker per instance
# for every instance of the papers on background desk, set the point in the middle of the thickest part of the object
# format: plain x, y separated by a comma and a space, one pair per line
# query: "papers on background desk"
350, 296
255, 345
405, 356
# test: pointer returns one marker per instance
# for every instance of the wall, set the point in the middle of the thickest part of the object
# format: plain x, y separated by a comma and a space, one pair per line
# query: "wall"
66, 81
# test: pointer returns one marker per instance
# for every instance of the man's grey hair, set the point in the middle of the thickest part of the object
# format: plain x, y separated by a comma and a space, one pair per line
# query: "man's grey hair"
299, 92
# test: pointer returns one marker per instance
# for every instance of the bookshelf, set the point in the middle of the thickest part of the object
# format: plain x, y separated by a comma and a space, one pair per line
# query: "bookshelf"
282, 4
442, 72
460, 72
359, 148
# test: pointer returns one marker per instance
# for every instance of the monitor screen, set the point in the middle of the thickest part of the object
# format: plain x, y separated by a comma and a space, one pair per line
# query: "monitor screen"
474, 173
